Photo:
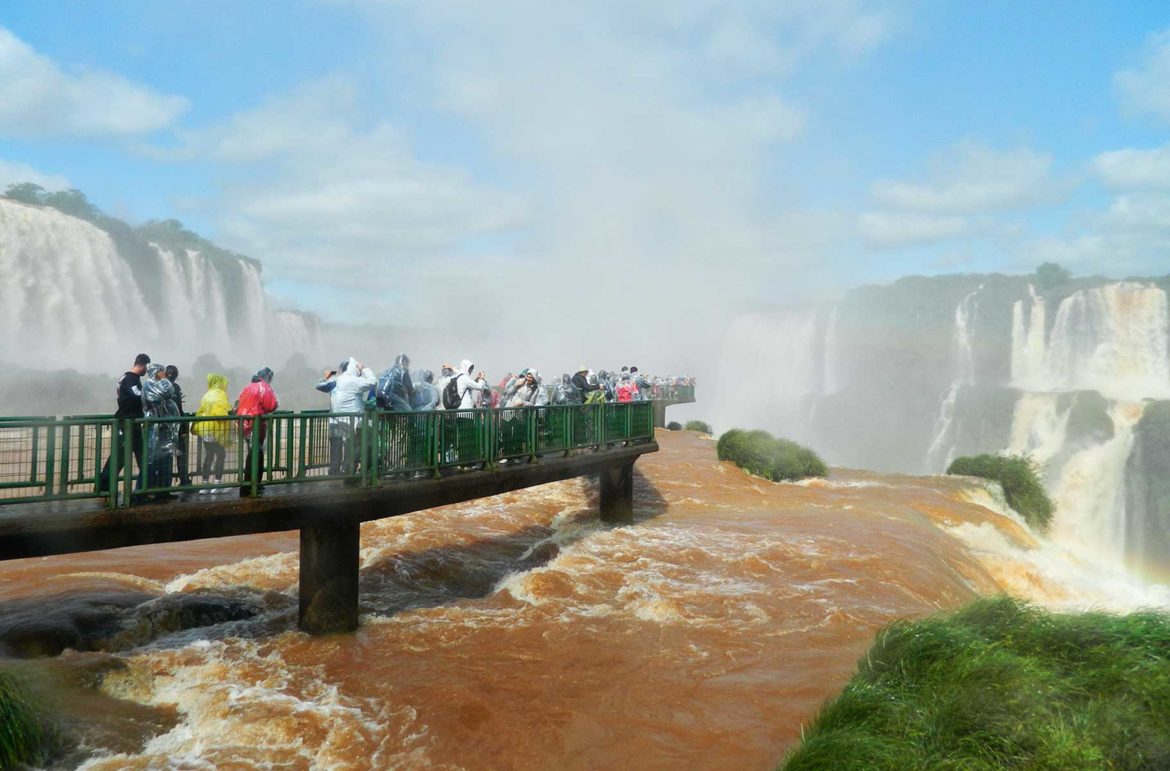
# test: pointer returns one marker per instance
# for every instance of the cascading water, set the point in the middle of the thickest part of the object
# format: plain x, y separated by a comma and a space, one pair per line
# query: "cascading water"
65, 287
943, 445
1090, 492
1111, 339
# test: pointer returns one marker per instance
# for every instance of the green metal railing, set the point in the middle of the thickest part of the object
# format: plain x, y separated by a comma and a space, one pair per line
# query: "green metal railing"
50, 459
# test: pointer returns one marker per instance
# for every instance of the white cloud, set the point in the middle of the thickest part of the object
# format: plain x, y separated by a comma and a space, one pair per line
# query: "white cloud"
39, 99
319, 196
1145, 88
973, 178
1134, 169
884, 230
12, 172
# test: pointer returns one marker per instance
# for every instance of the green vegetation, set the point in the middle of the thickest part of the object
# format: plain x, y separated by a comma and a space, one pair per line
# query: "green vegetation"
1021, 483
1051, 274
700, 426
1002, 685
761, 454
168, 234
674, 425
22, 738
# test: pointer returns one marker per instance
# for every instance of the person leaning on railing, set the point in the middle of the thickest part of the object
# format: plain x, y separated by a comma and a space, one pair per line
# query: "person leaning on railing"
129, 395
256, 400
348, 398
158, 401
214, 435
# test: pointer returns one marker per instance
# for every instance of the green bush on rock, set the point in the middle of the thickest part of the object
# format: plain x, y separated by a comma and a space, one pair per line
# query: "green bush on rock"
700, 426
1001, 684
1021, 483
763, 455
22, 738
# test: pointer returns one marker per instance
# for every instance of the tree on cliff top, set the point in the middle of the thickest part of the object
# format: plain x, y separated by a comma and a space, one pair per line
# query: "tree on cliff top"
1051, 274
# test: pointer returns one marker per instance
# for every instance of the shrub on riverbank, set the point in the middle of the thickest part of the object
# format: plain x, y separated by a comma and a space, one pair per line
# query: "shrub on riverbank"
761, 454
700, 426
1001, 684
22, 738
1021, 483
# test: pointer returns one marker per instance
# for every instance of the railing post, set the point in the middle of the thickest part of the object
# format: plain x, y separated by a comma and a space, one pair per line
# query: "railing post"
129, 426
51, 455
436, 445
66, 437
371, 439
531, 417
115, 453
254, 456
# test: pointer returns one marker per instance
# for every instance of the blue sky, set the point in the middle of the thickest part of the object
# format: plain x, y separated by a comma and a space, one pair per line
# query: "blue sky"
386, 157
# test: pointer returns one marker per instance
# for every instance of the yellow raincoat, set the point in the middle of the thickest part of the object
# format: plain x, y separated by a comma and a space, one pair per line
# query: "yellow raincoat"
213, 404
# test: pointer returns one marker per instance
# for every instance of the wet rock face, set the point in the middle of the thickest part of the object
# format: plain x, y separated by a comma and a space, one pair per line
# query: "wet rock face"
44, 627
109, 621
1148, 488
173, 613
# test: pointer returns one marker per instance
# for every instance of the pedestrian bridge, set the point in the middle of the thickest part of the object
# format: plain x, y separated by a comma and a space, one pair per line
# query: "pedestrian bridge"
318, 472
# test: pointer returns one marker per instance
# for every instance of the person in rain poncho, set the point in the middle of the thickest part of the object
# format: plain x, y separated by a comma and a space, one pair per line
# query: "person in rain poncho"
426, 394
162, 441
395, 388
565, 392
470, 386
214, 435
256, 400
348, 398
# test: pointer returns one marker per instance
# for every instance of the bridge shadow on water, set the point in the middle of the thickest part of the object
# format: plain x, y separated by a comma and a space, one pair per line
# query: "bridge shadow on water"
117, 620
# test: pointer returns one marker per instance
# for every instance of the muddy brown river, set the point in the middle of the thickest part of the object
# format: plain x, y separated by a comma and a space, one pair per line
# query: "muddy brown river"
519, 632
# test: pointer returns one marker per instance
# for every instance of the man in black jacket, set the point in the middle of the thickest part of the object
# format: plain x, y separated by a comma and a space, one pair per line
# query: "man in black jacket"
129, 406
581, 380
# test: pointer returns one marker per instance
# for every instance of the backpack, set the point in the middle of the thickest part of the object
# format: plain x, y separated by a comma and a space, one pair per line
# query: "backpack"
451, 397
595, 397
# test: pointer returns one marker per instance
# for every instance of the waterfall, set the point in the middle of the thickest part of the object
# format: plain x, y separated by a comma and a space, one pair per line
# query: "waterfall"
833, 379
1090, 492
67, 298
1028, 342
1111, 339
294, 332
1040, 426
963, 357
66, 287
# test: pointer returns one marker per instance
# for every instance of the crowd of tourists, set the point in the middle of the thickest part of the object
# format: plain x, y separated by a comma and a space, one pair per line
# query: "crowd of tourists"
149, 390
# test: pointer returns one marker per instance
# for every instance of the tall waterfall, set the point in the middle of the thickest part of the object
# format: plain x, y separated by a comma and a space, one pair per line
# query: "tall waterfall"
1063, 374
1110, 339
65, 297
942, 447
67, 290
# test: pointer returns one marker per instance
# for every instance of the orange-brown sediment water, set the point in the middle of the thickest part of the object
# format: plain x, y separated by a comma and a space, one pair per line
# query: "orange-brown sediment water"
519, 632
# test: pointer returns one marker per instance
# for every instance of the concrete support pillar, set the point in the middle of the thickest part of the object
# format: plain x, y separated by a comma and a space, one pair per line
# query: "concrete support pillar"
659, 414
617, 493
329, 578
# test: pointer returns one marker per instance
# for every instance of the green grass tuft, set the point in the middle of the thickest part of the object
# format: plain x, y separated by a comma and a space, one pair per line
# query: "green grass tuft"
1001, 684
22, 737
700, 426
1021, 483
761, 454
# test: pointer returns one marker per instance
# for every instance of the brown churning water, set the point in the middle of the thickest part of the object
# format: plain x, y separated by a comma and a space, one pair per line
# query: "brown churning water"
519, 632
